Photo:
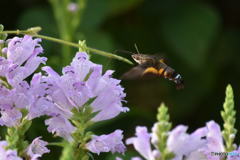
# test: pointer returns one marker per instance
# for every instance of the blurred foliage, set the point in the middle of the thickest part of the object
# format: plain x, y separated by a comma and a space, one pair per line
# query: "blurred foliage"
190, 30
200, 39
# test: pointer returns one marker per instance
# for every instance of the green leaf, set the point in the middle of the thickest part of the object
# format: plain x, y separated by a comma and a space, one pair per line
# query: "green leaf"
190, 31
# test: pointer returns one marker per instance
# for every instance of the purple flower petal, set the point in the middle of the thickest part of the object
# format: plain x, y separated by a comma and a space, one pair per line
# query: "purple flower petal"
81, 65
197, 155
181, 143
60, 126
4, 65
21, 49
214, 141
37, 148
22, 59
109, 97
136, 158
40, 107
234, 155
10, 117
7, 154
106, 143
142, 143
214, 137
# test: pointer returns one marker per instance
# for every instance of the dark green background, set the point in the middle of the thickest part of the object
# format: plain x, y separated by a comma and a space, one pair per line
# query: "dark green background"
200, 40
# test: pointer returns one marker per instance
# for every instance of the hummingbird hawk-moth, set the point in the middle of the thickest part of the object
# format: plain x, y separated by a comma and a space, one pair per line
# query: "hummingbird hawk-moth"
153, 65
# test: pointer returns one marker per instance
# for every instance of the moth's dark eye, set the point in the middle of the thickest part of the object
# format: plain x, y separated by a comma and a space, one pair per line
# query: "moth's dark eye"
178, 77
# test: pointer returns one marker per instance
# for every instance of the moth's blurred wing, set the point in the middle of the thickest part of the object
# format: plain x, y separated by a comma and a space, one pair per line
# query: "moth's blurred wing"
134, 73
160, 57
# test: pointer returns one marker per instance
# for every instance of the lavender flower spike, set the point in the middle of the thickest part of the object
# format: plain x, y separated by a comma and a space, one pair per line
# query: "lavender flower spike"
81, 81
7, 154
106, 143
37, 148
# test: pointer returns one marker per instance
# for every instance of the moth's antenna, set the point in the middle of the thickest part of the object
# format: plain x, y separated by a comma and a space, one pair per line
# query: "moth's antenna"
135, 45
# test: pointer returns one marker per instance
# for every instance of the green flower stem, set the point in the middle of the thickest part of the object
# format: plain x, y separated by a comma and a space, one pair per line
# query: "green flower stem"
163, 127
60, 144
228, 114
2, 37
103, 53
81, 119
16, 135
59, 9
67, 22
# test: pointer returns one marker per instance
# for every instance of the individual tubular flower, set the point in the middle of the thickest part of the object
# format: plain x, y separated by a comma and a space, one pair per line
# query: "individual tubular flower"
214, 141
40, 103
183, 144
10, 115
109, 96
142, 143
60, 126
7, 154
23, 59
214, 137
37, 148
107, 143
4, 64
